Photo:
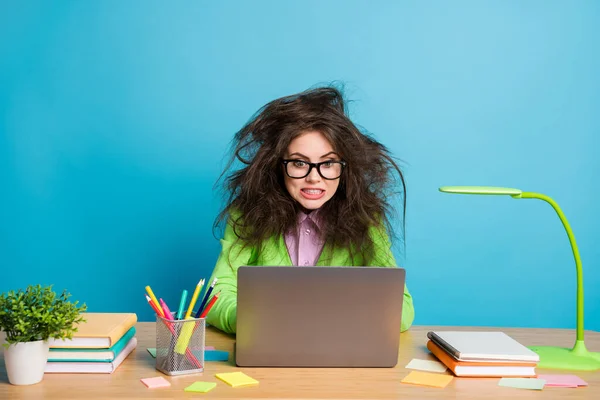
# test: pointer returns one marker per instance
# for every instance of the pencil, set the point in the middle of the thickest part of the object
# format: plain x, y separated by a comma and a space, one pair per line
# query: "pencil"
156, 310
194, 298
210, 304
153, 297
206, 297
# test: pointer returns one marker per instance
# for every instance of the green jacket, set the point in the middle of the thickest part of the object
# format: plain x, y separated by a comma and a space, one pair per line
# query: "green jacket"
274, 252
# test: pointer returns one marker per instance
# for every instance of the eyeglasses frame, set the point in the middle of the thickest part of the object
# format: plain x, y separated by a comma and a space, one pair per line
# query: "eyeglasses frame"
314, 165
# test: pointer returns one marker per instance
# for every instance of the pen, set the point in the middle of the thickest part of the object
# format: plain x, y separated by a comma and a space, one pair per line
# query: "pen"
194, 298
182, 304
206, 296
210, 304
166, 310
153, 297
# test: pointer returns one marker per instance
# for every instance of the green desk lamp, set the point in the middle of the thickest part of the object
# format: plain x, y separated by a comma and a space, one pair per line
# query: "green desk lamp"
577, 358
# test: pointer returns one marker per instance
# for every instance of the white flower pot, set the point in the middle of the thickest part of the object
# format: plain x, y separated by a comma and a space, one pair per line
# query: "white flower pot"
25, 362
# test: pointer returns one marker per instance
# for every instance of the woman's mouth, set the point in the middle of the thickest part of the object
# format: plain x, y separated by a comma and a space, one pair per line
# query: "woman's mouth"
312, 194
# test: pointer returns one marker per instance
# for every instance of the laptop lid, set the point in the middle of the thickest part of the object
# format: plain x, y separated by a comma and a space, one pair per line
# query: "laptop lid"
318, 316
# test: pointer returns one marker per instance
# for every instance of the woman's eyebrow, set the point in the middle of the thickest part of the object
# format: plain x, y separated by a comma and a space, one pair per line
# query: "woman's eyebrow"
299, 155
296, 154
330, 153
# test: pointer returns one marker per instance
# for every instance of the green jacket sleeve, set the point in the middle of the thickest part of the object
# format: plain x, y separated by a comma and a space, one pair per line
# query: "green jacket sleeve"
385, 258
223, 315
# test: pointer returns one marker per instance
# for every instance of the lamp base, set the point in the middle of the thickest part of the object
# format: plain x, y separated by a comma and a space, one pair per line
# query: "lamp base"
577, 359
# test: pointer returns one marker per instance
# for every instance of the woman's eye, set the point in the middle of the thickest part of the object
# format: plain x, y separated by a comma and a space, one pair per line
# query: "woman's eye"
327, 164
299, 164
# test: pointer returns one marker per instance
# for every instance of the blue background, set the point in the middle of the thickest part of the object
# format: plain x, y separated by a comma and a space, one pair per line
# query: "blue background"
115, 118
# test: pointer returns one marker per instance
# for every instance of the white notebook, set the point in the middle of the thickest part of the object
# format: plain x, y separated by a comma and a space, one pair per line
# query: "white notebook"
482, 346
84, 367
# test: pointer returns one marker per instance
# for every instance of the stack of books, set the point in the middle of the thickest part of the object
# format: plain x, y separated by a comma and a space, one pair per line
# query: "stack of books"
482, 354
99, 346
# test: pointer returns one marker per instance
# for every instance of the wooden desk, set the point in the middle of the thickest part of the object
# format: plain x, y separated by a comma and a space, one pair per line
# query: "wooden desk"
301, 383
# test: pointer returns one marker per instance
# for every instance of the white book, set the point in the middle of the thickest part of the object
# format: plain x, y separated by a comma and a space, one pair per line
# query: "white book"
482, 346
78, 367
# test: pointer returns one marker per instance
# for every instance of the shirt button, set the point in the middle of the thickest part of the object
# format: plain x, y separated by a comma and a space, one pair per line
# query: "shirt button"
308, 231
305, 262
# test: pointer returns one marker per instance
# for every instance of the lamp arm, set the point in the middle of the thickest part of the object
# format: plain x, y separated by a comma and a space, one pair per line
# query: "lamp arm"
563, 219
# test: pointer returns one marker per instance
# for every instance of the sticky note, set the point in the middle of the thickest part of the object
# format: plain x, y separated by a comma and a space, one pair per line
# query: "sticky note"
216, 355
210, 354
571, 381
427, 379
237, 379
154, 383
201, 387
185, 335
523, 383
426, 365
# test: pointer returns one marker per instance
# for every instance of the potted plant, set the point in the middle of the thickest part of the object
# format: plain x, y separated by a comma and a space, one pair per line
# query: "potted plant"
29, 318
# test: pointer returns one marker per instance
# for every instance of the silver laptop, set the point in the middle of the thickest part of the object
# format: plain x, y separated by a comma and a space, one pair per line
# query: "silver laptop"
318, 316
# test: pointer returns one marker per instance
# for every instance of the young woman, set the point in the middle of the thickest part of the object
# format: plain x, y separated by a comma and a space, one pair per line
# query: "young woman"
311, 190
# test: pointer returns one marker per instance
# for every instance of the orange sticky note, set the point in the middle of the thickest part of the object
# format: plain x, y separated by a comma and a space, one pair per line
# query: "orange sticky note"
427, 379
154, 383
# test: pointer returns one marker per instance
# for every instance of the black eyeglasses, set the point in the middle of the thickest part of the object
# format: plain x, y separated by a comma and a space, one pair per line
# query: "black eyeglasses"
298, 169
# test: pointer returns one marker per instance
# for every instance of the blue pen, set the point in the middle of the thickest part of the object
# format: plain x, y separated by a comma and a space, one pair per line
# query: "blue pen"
205, 299
182, 304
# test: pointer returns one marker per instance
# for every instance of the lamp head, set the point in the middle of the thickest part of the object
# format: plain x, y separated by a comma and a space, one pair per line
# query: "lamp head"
486, 190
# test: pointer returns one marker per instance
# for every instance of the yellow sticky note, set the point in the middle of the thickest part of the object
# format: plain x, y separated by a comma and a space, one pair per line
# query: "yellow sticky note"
200, 387
427, 379
237, 379
184, 336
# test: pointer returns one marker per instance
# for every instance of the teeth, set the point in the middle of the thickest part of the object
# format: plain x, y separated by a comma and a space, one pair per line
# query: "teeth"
313, 191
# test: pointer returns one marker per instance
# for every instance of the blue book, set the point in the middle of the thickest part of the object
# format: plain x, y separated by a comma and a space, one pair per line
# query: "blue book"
92, 355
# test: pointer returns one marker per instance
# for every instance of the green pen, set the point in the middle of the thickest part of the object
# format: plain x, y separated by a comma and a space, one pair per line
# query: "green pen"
182, 304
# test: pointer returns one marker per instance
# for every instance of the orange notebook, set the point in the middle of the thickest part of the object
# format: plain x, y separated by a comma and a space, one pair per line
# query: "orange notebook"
100, 331
482, 368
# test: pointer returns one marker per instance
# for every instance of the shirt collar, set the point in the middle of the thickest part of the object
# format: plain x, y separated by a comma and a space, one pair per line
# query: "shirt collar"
313, 216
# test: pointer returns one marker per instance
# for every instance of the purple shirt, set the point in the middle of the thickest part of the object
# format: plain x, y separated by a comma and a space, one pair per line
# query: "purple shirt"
305, 244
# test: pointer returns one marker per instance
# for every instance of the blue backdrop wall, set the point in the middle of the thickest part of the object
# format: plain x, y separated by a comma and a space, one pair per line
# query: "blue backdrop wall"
115, 118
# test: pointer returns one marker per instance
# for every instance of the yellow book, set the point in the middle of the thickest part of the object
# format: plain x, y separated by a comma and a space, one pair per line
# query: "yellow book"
100, 331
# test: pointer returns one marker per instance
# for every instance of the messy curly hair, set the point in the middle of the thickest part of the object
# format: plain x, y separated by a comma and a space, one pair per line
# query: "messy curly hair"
258, 205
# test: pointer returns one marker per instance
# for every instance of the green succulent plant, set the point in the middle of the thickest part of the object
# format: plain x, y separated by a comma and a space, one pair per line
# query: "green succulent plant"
38, 313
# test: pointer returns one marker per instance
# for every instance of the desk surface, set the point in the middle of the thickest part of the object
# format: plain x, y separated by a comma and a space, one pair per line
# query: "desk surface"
297, 383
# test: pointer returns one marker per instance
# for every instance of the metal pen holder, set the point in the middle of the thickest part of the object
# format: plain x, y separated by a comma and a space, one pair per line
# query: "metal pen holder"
180, 345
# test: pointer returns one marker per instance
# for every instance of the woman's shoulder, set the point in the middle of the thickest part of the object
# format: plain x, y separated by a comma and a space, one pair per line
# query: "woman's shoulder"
379, 229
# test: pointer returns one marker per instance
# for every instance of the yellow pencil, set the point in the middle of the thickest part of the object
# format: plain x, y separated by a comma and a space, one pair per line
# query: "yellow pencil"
194, 298
153, 297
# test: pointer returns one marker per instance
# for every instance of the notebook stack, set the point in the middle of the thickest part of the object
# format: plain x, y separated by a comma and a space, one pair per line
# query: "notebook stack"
482, 354
99, 346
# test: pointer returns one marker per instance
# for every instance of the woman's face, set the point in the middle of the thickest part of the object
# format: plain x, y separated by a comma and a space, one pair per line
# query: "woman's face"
313, 190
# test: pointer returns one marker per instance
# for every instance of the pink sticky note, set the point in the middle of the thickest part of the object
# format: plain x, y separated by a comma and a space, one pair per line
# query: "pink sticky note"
571, 381
154, 383
209, 347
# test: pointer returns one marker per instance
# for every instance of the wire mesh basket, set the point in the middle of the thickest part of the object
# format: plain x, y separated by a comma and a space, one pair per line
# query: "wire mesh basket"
180, 346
